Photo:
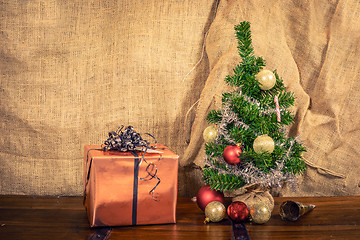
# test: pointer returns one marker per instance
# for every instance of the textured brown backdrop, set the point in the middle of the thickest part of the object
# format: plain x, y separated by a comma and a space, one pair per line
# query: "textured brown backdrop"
73, 70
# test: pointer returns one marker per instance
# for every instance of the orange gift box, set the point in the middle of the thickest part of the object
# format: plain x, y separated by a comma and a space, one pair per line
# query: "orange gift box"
118, 186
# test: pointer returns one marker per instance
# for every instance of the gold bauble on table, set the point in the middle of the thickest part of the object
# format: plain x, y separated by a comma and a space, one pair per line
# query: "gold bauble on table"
210, 134
214, 212
266, 78
260, 213
264, 143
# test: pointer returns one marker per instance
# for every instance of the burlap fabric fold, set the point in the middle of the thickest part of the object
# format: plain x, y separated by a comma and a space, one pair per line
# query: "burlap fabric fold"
314, 45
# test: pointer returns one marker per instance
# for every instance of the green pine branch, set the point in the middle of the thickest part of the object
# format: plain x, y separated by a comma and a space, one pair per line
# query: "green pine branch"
214, 116
264, 161
243, 34
214, 150
296, 164
221, 182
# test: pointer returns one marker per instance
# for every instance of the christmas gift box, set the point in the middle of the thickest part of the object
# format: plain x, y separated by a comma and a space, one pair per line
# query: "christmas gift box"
131, 187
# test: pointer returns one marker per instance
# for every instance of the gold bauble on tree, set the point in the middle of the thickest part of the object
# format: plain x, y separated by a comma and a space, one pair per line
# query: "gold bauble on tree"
210, 134
264, 143
266, 78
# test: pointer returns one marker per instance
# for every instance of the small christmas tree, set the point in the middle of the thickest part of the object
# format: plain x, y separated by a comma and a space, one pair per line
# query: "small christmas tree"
249, 142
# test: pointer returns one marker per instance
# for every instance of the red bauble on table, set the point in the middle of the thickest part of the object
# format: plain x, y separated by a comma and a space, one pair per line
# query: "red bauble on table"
238, 211
207, 195
231, 154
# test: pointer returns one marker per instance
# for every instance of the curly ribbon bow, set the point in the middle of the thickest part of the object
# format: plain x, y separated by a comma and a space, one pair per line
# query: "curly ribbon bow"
130, 140
127, 140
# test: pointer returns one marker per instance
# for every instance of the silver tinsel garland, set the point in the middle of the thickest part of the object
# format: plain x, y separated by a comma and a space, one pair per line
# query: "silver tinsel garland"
253, 175
248, 171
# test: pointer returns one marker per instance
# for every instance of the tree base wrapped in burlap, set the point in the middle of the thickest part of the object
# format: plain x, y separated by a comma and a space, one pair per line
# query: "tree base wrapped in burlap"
252, 194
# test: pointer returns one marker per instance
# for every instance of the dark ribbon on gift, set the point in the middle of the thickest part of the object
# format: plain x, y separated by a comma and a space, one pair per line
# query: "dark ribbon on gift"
151, 177
101, 234
240, 231
130, 140
135, 187
127, 140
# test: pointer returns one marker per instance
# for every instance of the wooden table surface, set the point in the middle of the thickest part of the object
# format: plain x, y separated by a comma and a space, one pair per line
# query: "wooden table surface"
52, 218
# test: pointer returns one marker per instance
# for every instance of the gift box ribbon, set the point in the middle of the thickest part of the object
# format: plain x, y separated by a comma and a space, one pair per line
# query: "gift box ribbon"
135, 186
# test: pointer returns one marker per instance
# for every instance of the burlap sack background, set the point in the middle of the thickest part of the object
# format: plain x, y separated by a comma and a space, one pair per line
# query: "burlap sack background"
73, 70
314, 45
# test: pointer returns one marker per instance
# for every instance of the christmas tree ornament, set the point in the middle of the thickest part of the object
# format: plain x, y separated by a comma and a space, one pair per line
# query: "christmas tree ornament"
206, 195
214, 212
291, 210
266, 78
263, 144
238, 211
260, 213
232, 153
210, 134
277, 108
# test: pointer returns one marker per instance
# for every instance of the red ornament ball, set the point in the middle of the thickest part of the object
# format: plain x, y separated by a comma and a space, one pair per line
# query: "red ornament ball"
238, 211
207, 195
231, 154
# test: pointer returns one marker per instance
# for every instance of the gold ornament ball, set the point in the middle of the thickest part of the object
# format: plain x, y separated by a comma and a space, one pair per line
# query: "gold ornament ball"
209, 134
263, 143
266, 78
260, 213
214, 212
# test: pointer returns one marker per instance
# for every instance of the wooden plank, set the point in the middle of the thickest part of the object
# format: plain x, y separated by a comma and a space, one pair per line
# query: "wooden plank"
23, 217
